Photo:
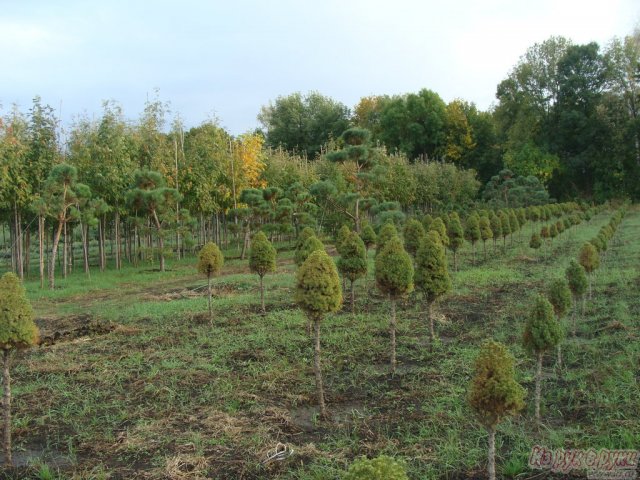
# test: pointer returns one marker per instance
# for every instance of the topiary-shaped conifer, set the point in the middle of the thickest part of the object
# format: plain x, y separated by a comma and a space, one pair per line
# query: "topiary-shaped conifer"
318, 293
472, 232
577, 278
387, 232
262, 260
542, 333
506, 227
432, 277
494, 393
455, 234
310, 245
485, 233
17, 332
342, 235
368, 235
589, 258
352, 263
439, 226
210, 261
496, 228
394, 277
413, 234
559, 295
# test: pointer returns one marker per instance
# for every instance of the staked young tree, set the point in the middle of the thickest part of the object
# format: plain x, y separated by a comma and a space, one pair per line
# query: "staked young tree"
318, 293
310, 245
17, 331
590, 261
535, 241
262, 260
413, 234
486, 233
514, 224
494, 393
505, 226
472, 232
496, 228
394, 277
542, 333
559, 295
210, 261
578, 282
62, 194
352, 263
432, 277
455, 235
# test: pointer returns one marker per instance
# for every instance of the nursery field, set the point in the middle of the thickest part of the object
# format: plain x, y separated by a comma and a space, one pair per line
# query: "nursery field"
131, 381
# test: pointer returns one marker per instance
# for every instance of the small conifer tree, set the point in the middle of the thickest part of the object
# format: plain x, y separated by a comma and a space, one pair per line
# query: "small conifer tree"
432, 277
310, 245
394, 276
542, 333
262, 260
17, 331
535, 241
387, 232
578, 282
514, 224
380, 468
304, 235
590, 261
439, 226
472, 232
413, 234
342, 235
496, 228
506, 227
210, 261
456, 236
485, 233
553, 231
494, 393
559, 295
427, 220
318, 293
352, 263
368, 235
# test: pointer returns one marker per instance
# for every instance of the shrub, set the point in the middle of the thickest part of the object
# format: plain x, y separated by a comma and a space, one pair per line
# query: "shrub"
262, 260
380, 468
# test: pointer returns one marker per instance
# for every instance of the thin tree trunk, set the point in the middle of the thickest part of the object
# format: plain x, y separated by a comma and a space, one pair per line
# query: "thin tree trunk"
538, 386
100, 246
27, 250
262, 295
6, 406
317, 370
209, 299
17, 242
65, 251
353, 298
54, 251
491, 467
41, 248
484, 247
432, 329
117, 235
392, 335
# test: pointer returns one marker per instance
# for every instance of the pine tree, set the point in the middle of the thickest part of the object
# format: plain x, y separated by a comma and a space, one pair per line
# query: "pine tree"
455, 235
318, 293
262, 260
590, 261
578, 282
310, 245
210, 261
432, 277
472, 232
17, 331
413, 234
352, 263
494, 393
541, 334
485, 233
394, 277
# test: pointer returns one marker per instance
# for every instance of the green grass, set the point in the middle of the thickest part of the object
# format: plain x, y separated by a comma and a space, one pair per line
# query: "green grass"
166, 389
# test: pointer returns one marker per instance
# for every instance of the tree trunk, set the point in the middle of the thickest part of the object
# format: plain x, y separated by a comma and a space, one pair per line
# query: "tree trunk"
432, 329
41, 248
17, 242
85, 248
262, 295
392, 335
491, 467
317, 370
209, 299
54, 251
353, 298
484, 247
6, 406
473, 247
117, 235
65, 251
455, 262
559, 358
590, 286
27, 250
538, 386
100, 246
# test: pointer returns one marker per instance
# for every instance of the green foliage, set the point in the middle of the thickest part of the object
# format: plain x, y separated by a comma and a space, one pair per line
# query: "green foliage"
380, 468
535, 241
577, 278
432, 276
353, 257
413, 234
368, 235
438, 226
17, 329
486, 232
514, 224
387, 232
494, 392
589, 258
559, 296
508, 190
306, 233
311, 245
505, 224
455, 232
210, 260
342, 235
542, 331
472, 228
318, 290
553, 231
394, 269
262, 256
496, 225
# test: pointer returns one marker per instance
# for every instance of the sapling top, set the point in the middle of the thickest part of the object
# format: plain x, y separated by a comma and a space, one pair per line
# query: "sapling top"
368, 235
472, 232
485, 233
578, 283
310, 245
353, 261
262, 260
439, 226
413, 234
210, 261
387, 232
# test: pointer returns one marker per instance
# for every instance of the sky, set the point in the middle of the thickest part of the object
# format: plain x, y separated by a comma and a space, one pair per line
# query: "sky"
226, 59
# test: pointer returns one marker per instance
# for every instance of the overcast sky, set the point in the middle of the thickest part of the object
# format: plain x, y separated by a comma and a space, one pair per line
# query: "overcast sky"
229, 58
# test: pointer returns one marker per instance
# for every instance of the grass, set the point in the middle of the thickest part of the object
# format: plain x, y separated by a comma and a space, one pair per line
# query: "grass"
166, 395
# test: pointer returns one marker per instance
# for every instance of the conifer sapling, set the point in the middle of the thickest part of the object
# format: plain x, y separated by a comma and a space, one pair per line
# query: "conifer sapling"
210, 261
262, 260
